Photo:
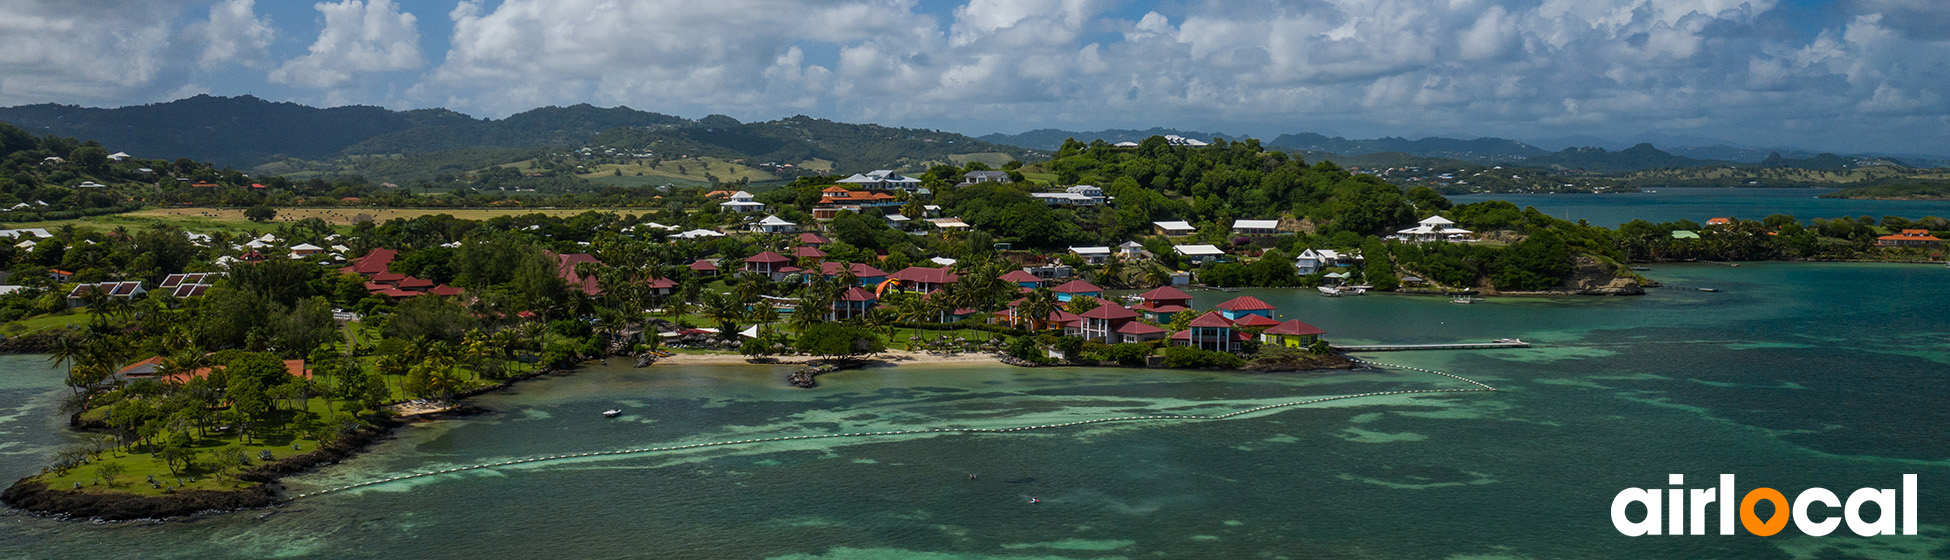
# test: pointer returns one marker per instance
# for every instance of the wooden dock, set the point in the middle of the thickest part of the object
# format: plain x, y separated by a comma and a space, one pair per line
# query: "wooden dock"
1454, 346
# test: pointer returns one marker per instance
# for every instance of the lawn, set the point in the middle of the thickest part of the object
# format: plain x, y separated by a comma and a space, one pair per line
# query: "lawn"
1045, 179
692, 170
69, 317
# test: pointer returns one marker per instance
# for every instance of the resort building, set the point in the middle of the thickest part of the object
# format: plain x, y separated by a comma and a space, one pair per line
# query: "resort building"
1075, 289
374, 262
1101, 324
772, 224
1719, 221
566, 269
1130, 250
866, 275
1066, 199
812, 239
1433, 228
1292, 334
769, 263
114, 290
883, 179
1023, 278
742, 202
704, 268
1255, 227
1199, 254
1315, 260
1242, 306
1174, 228
974, 177
1210, 331
1909, 238
1092, 255
1163, 304
835, 199
923, 279
808, 255
855, 302
1136, 332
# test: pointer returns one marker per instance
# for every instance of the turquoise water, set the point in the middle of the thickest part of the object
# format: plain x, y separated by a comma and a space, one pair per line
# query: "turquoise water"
1794, 376
1701, 204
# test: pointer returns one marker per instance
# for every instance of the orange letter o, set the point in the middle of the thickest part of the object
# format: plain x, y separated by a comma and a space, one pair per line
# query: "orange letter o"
1752, 522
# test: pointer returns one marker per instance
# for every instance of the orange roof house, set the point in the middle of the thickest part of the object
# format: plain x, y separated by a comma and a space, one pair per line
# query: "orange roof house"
1909, 238
1719, 221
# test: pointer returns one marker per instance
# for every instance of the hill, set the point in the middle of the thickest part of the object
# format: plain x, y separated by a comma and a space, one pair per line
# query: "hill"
1051, 138
1479, 149
287, 138
1924, 190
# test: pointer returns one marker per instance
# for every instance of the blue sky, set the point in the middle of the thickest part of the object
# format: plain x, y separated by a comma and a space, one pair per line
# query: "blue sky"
1841, 75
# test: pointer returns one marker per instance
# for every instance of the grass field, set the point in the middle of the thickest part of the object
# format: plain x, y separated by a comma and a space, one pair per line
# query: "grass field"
690, 169
994, 159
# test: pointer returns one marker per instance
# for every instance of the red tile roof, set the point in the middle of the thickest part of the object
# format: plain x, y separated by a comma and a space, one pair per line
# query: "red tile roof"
768, 257
410, 283
388, 277
812, 239
566, 270
926, 275
1165, 293
374, 262
703, 266
1020, 276
857, 294
1078, 287
859, 270
662, 283
1252, 320
1136, 327
444, 290
1211, 319
1245, 303
1295, 328
1110, 312
808, 253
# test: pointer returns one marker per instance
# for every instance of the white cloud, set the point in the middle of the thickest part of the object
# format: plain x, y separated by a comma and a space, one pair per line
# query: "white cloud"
52, 50
234, 32
359, 37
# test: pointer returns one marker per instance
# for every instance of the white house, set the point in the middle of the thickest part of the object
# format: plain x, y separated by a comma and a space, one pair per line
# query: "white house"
1199, 254
1174, 229
1092, 255
1433, 228
699, 234
1125, 144
1066, 199
1130, 249
1314, 260
1255, 227
773, 224
118, 156
882, 179
950, 223
303, 250
742, 202
973, 177
1087, 190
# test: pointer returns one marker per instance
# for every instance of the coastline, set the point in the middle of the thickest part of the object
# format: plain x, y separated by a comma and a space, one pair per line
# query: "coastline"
891, 357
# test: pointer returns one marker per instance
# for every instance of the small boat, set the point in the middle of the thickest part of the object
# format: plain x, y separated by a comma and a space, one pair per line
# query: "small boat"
1329, 291
1464, 299
1709, 289
612, 413
1035, 501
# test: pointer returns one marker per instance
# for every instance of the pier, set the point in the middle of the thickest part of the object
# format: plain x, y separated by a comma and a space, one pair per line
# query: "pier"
1505, 343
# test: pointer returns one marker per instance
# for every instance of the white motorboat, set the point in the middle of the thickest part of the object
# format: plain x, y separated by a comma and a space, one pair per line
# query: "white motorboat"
1465, 299
1329, 291
612, 413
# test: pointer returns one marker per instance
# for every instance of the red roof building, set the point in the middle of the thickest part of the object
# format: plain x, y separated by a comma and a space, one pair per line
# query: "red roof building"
813, 239
924, 279
566, 270
1023, 278
1135, 332
1909, 238
1245, 305
767, 263
1210, 331
444, 290
374, 262
808, 253
1101, 323
1293, 334
704, 268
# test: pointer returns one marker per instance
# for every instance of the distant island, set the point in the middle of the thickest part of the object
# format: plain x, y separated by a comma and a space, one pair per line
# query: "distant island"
1904, 191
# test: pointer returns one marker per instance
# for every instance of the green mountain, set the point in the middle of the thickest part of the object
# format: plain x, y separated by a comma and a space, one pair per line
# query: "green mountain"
1599, 160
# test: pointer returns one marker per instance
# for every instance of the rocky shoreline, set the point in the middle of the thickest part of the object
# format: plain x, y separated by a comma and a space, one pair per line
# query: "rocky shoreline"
33, 496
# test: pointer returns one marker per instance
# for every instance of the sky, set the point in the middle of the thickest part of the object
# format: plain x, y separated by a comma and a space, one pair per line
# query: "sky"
1838, 75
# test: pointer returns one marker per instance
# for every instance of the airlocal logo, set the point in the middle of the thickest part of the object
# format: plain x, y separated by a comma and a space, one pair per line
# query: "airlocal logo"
1685, 510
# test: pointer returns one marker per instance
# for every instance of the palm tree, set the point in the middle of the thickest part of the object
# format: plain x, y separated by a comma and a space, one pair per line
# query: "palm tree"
912, 310
65, 351
1038, 306
725, 311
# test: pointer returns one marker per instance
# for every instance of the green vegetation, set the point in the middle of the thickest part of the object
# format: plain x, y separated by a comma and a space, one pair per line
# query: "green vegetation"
1901, 191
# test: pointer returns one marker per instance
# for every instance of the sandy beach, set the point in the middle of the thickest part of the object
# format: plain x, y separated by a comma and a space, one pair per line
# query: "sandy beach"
890, 356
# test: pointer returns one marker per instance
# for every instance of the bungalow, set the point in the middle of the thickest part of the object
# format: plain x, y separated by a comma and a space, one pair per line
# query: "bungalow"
772, 224
1433, 228
1137, 332
374, 262
835, 199
768, 263
867, 275
808, 254
1199, 254
1066, 199
855, 302
1292, 334
897, 221
1255, 227
923, 279
1163, 303
704, 268
661, 287
1174, 228
1050, 271
1012, 315
950, 223
303, 250
812, 239
444, 290
114, 290
1130, 250
1685, 234
565, 268
974, 177
1092, 255
1719, 221
1024, 279
1909, 238
1242, 306
1077, 288
1101, 323
699, 234
1210, 331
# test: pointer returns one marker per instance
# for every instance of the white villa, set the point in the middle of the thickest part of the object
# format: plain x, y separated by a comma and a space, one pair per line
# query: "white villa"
1199, 254
1092, 255
772, 224
1255, 227
882, 179
1314, 260
1433, 228
1174, 229
742, 202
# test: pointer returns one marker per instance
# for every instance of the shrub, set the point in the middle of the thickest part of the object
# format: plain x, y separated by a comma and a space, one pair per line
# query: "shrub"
1186, 357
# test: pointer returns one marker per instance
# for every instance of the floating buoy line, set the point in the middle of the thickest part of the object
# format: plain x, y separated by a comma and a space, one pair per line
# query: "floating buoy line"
1479, 387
